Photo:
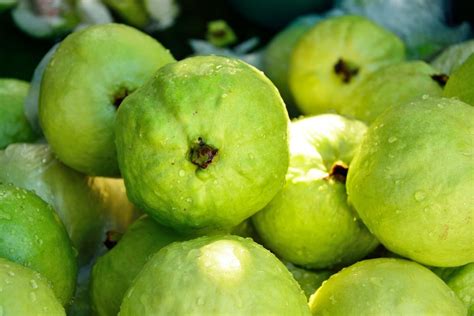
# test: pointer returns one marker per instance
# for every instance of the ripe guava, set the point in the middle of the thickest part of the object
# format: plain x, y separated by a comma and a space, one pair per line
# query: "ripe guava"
454, 56
393, 85
385, 286
32, 234
90, 74
459, 84
309, 222
411, 181
203, 145
336, 54
25, 292
14, 127
216, 275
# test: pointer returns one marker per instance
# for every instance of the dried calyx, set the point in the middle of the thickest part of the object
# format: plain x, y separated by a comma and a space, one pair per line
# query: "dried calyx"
202, 154
346, 70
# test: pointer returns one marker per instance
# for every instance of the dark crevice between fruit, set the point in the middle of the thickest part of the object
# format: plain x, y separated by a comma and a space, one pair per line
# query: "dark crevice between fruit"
119, 97
346, 70
202, 154
112, 238
441, 79
338, 172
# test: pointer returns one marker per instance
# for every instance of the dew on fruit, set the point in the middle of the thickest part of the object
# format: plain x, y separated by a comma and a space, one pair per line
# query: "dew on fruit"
333, 300
182, 173
440, 106
189, 200
33, 284
33, 296
11, 273
425, 96
200, 301
420, 195
392, 139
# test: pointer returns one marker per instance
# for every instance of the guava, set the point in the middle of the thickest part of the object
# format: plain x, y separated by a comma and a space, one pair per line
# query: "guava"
114, 272
459, 84
220, 34
393, 85
309, 280
203, 144
133, 12
385, 286
309, 222
462, 283
411, 181
454, 56
33, 167
336, 54
32, 234
90, 74
14, 128
26, 292
216, 275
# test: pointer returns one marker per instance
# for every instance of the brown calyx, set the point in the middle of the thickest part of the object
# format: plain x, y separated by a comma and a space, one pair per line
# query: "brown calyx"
339, 172
202, 154
346, 70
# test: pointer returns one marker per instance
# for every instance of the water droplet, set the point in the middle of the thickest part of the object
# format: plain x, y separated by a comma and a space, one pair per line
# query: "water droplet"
425, 96
333, 300
11, 273
189, 200
440, 105
397, 211
33, 296
392, 139
182, 173
420, 195
33, 284
200, 301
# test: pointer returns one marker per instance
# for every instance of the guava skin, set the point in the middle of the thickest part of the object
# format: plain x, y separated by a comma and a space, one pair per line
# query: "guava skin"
395, 84
89, 75
78, 204
411, 181
459, 84
217, 275
453, 57
204, 144
309, 222
462, 283
32, 234
14, 127
335, 55
25, 292
114, 272
309, 280
385, 286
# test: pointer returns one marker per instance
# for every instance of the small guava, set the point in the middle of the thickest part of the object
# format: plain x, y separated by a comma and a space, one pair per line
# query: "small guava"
216, 275
385, 286
452, 57
14, 127
411, 181
459, 84
133, 12
203, 144
336, 54
309, 222
26, 292
32, 234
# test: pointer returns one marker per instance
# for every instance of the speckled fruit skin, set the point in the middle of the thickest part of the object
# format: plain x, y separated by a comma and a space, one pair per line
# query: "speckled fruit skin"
385, 286
309, 222
91, 70
459, 84
315, 85
14, 126
229, 106
395, 84
412, 181
25, 292
114, 272
218, 275
32, 234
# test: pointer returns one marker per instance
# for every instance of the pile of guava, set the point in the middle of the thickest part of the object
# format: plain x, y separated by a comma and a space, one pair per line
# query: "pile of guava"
135, 184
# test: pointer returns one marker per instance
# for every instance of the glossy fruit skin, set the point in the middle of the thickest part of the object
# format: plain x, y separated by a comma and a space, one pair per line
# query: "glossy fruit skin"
14, 127
216, 275
385, 286
32, 234
317, 78
212, 102
309, 222
84, 83
411, 181
25, 292
459, 84
114, 272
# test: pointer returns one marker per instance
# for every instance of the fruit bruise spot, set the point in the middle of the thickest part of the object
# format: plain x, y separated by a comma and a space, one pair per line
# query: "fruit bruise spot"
338, 172
345, 70
119, 97
202, 154
112, 238
441, 79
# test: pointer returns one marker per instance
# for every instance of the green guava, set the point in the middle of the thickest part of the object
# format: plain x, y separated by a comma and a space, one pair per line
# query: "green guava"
7, 4
203, 145
412, 181
454, 56
459, 84
133, 12
216, 275
33, 167
385, 286
14, 128
32, 234
25, 292
336, 54
392, 85
309, 222
309, 280
114, 272
90, 74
